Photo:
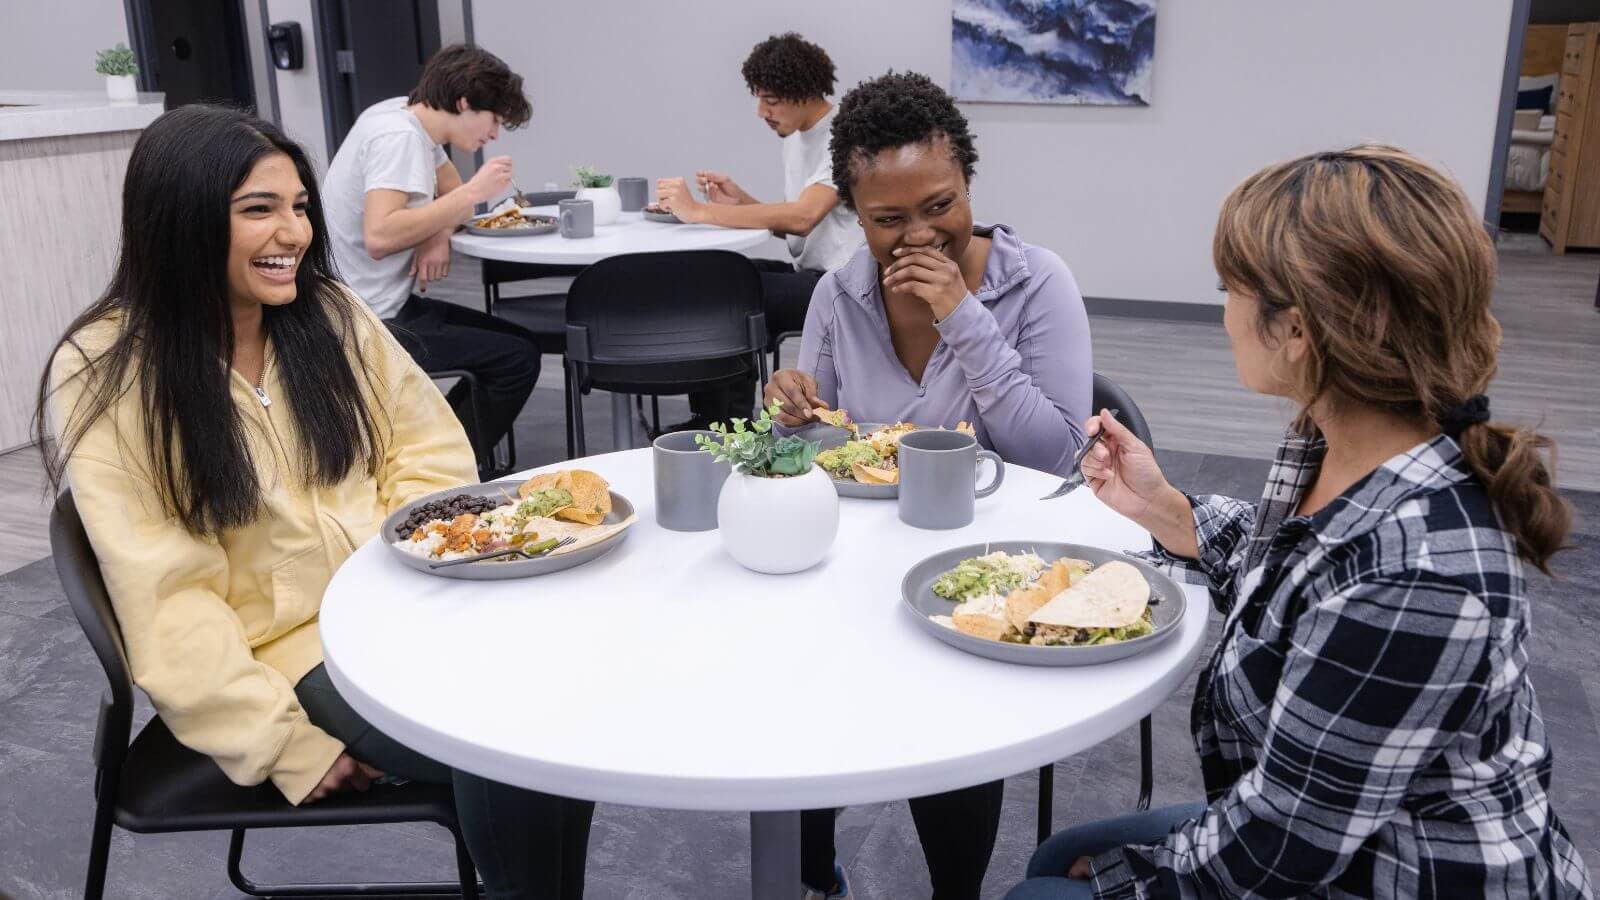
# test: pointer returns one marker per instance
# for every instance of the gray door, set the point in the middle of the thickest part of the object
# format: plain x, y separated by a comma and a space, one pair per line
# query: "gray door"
370, 50
195, 51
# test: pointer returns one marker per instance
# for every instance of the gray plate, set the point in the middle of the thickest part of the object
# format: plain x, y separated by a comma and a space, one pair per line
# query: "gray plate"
541, 225
665, 218
494, 569
1168, 604
828, 437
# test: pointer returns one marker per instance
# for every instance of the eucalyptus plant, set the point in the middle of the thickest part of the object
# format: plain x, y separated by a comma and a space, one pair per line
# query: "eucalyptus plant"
588, 177
754, 449
116, 61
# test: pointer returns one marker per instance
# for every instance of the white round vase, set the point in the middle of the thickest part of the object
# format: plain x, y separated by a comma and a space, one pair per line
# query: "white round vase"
607, 203
778, 525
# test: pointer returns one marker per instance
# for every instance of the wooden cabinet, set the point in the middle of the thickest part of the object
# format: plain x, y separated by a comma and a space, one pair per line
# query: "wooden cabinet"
1570, 213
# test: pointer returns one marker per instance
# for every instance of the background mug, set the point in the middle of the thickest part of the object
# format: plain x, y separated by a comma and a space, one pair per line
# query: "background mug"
576, 218
635, 193
938, 471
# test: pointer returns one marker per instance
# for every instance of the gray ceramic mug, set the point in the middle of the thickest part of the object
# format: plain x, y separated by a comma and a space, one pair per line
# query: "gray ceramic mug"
688, 482
576, 218
635, 193
938, 470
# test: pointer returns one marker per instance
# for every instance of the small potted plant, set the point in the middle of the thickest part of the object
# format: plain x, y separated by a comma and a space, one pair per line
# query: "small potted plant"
601, 190
117, 65
777, 512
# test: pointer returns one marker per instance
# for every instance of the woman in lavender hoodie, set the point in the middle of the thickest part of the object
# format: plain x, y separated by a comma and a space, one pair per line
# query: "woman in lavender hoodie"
938, 320
935, 321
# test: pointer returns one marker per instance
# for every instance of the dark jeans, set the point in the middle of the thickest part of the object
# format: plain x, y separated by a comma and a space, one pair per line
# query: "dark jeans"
785, 297
503, 356
957, 830
524, 843
1047, 870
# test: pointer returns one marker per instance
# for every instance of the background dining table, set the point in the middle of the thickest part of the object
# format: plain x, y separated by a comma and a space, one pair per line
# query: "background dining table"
632, 233
665, 675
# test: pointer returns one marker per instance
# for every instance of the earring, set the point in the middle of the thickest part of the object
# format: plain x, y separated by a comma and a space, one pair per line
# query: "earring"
860, 224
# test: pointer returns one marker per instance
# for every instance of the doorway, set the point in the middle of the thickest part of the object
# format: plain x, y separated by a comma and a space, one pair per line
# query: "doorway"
194, 51
369, 52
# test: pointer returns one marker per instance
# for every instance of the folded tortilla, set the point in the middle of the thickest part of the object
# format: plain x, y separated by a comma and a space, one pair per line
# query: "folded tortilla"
1024, 602
1114, 595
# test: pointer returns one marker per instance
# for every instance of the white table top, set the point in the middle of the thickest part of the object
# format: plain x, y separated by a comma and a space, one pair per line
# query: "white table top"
632, 233
665, 675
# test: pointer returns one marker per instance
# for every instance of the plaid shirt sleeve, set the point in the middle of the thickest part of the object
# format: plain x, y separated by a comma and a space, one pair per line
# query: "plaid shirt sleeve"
1377, 676
1222, 527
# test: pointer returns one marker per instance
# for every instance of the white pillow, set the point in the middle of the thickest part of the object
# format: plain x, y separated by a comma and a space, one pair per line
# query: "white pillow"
1535, 82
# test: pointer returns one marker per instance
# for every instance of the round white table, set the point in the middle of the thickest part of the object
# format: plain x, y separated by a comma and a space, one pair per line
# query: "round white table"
632, 233
666, 675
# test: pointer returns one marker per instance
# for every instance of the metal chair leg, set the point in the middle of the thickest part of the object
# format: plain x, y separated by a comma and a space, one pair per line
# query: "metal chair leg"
566, 395
1146, 763
100, 839
1047, 796
465, 870
378, 889
575, 398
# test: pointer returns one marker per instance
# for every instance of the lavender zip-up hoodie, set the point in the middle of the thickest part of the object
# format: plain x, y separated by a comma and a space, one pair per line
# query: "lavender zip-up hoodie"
1013, 359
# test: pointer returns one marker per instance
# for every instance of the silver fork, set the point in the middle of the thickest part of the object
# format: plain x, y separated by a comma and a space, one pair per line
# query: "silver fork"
509, 551
1075, 478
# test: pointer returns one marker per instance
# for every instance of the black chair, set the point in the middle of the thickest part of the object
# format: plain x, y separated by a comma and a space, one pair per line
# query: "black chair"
656, 324
777, 346
490, 463
157, 785
1107, 394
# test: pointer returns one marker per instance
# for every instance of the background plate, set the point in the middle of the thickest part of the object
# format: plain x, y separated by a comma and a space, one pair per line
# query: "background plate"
665, 218
542, 225
1168, 605
496, 570
828, 437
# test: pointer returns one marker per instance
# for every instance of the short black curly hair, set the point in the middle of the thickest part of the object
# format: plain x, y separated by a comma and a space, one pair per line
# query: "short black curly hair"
484, 79
891, 111
789, 67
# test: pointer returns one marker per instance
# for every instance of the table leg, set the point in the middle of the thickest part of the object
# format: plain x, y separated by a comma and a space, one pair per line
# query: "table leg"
622, 421
774, 855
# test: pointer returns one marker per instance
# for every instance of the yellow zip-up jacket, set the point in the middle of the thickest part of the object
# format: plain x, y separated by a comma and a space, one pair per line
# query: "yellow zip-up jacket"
220, 628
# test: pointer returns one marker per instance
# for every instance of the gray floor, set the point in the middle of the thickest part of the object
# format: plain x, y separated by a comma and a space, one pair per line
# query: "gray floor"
49, 682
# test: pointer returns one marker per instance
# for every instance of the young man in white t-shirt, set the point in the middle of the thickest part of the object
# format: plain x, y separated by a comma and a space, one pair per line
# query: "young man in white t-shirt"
392, 198
791, 79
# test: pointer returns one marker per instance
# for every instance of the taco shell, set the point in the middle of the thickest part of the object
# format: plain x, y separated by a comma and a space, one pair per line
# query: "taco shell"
1114, 595
1024, 602
591, 495
866, 474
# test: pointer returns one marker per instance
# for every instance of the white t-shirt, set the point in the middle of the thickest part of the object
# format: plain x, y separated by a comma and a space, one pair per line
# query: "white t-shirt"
806, 161
387, 148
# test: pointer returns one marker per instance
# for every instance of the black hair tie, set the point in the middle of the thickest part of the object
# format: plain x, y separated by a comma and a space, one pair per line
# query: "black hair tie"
1472, 411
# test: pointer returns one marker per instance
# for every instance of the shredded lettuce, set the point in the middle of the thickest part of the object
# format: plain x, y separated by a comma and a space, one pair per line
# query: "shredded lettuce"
996, 574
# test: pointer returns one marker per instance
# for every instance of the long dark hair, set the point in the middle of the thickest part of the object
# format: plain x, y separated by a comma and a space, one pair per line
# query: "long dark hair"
174, 341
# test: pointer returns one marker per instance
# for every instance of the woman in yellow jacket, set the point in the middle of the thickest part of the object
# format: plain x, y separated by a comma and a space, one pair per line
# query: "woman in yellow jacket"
233, 423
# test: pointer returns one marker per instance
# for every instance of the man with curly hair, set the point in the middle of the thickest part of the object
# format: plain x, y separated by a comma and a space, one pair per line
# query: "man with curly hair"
791, 79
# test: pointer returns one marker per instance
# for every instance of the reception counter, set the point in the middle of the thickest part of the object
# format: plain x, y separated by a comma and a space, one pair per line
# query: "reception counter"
62, 159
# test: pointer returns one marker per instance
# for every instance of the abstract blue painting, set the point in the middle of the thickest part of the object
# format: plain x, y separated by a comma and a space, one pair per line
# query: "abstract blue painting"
1091, 52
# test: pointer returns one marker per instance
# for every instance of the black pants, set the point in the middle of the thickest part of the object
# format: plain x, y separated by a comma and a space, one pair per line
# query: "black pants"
525, 844
957, 830
785, 297
503, 356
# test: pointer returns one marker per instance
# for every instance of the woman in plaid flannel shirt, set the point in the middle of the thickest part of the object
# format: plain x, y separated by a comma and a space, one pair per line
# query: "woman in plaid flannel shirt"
1366, 726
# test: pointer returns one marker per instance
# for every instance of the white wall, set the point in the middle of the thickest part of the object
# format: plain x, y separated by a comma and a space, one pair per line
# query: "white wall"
48, 45
299, 91
1127, 196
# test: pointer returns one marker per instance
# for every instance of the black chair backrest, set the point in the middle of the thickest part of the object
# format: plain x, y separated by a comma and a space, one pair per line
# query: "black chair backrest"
86, 594
1110, 395
647, 308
